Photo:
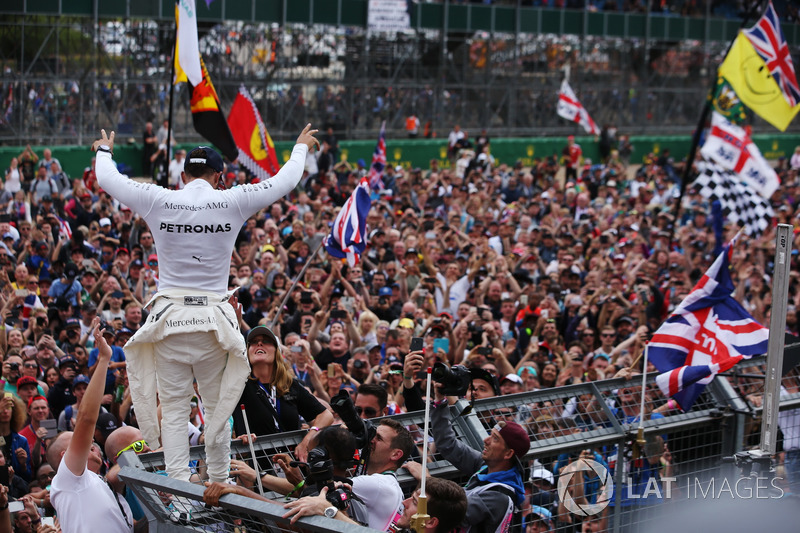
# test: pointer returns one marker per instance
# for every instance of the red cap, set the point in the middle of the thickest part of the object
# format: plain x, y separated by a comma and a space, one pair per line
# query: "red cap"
26, 380
34, 398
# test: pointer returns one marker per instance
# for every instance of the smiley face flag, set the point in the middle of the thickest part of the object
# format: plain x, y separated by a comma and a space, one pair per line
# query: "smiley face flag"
755, 85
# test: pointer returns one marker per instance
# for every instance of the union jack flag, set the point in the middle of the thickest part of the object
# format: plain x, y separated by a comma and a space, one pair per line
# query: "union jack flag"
768, 40
708, 333
378, 160
347, 238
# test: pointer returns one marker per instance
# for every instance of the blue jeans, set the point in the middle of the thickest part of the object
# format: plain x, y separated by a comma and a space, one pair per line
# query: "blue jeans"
792, 466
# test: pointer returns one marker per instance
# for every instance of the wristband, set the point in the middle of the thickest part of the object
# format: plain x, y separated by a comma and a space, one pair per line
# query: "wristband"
104, 148
298, 486
315, 428
3, 508
408, 377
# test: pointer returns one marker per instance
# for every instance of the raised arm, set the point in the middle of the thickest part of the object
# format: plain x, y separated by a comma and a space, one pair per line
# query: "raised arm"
77, 453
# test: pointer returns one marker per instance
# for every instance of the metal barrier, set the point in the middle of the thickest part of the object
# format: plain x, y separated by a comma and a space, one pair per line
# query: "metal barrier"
682, 451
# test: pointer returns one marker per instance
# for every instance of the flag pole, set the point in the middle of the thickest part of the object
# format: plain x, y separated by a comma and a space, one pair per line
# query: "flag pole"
640, 432
171, 99
294, 284
777, 326
687, 168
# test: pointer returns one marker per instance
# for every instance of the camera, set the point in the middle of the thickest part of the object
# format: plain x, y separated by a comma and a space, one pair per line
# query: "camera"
455, 380
14, 367
336, 446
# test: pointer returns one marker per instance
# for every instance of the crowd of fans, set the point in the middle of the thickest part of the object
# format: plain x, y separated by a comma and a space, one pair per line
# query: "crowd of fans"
530, 280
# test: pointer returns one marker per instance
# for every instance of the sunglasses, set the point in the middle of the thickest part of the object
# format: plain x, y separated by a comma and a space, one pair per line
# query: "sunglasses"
137, 447
31, 365
369, 411
608, 335
152, 263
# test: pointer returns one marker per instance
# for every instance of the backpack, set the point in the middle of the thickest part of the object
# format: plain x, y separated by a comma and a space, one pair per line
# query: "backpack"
512, 514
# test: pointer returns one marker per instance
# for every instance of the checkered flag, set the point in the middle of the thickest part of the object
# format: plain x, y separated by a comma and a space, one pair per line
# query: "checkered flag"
740, 203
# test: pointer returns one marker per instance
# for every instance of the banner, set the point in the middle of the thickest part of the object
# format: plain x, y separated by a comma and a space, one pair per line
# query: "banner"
570, 108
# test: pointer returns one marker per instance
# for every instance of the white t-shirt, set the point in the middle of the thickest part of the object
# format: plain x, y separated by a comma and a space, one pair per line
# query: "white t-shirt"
87, 503
195, 228
13, 183
383, 498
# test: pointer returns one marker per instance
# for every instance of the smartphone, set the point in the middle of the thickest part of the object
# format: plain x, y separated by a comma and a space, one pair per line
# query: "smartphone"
545, 313
430, 235
41, 321
347, 303
442, 343
16, 507
87, 263
49, 521
485, 350
8, 395
50, 424
338, 313
23, 293
297, 349
416, 344
4, 475
523, 299
331, 371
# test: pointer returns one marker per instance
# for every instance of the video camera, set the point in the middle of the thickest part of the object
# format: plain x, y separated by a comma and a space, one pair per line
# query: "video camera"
320, 473
455, 380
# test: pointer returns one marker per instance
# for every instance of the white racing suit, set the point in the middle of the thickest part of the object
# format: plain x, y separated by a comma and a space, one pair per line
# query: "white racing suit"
191, 331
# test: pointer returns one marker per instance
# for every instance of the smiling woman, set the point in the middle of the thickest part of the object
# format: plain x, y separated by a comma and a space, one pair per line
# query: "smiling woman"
273, 399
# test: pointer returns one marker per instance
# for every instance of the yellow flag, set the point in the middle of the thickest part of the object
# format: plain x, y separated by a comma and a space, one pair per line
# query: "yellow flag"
749, 76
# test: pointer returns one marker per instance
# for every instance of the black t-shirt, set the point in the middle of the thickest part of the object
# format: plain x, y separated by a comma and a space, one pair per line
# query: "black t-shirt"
325, 357
291, 406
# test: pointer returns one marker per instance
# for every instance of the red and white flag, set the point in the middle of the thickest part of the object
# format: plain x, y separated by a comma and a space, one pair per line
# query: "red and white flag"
570, 108
732, 148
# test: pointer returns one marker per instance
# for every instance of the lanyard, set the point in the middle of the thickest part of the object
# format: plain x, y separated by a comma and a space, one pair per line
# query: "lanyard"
272, 396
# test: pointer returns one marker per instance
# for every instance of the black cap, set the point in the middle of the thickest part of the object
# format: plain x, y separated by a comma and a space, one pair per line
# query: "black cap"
485, 375
70, 270
212, 159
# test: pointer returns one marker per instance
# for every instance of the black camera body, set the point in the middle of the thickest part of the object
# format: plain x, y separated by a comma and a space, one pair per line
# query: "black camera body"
455, 380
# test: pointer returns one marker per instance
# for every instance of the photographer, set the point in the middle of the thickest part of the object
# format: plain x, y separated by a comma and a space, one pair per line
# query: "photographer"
379, 488
495, 486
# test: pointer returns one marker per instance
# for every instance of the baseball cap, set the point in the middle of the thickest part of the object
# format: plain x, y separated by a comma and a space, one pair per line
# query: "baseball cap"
371, 346
124, 331
385, 291
479, 373
405, 323
34, 398
136, 263
105, 222
261, 295
512, 378
117, 294
70, 270
211, 159
123, 251
72, 323
106, 424
27, 380
152, 257
515, 438
80, 378
67, 360
540, 472
263, 330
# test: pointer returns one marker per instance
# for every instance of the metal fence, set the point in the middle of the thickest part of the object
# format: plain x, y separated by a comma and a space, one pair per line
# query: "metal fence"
561, 422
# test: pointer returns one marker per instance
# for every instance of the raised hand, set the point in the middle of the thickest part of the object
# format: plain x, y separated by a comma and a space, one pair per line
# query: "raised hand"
306, 137
105, 140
